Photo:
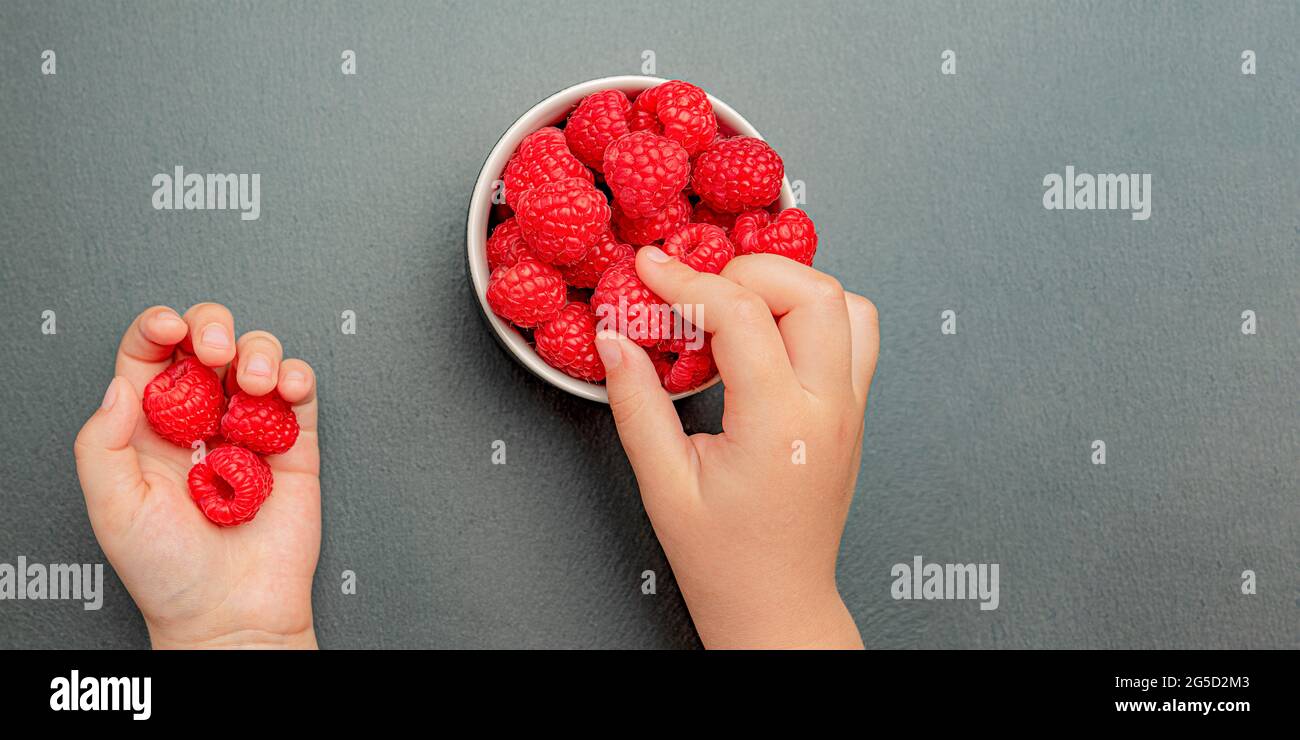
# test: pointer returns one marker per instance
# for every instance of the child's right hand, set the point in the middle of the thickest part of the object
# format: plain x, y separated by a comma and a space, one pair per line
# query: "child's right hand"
750, 525
197, 584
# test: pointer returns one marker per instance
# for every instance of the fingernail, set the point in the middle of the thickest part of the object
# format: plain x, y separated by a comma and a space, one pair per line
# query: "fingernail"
295, 378
655, 254
168, 317
110, 395
607, 346
258, 365
215, 336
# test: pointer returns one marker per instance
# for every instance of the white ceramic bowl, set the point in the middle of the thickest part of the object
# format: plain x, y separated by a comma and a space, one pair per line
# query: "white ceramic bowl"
549, 112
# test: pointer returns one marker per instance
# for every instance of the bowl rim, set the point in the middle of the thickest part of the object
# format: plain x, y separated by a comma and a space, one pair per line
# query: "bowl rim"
546, 112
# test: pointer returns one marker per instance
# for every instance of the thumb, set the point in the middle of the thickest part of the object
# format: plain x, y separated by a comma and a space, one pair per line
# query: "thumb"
647, 423
106, 462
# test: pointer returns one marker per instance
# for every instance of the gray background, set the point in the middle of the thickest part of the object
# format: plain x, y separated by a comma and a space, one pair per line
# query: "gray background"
926, 189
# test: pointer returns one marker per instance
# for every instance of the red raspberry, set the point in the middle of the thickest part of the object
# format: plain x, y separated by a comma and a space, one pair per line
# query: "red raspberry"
266, 424
738, 174
640, 120
625, 304
645, 172
664, 222
568, 343
586, 272
506, 246
790, 234
543, 156
679, 111
661, 360
703, 247
184, 402
230, 485
561, 220
703, 214
598, 120
527, 293
682, 369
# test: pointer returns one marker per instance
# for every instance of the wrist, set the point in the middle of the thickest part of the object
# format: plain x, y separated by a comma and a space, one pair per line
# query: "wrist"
242, 639
817, 621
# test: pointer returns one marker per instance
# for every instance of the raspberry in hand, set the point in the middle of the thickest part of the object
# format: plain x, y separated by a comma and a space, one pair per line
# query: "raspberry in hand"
263, 424
230, 484
183, 403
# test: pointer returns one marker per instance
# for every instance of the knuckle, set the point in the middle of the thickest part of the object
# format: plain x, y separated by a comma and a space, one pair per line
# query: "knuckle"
863, 308
736, 266
82, 446
748, 308
828, 289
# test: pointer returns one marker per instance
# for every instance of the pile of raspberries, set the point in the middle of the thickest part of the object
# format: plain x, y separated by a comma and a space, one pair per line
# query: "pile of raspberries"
617, 175
186, 403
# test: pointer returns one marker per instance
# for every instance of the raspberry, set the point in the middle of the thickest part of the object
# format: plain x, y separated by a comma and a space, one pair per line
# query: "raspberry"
703, 214
184, 402
679, 111
625, 304
682, 369
230, 485
703, 247
506, 245
790, 234
738, 174
598, 120
640, 120
543, 156
664, 222
264, 424
645, 172
568, 343
527, 293
586, 272
561, 220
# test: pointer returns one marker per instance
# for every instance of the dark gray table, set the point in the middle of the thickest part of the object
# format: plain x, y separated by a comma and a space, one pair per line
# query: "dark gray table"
927, 189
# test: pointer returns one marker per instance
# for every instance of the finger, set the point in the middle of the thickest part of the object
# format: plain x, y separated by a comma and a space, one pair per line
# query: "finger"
812, 317
147, 346
648, 425
257, 365
212, 334
107, 463
297, 386
864, 326
747, 347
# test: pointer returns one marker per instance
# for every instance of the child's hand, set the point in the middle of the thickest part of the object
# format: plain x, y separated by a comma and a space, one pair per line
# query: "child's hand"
197, 584
751, 531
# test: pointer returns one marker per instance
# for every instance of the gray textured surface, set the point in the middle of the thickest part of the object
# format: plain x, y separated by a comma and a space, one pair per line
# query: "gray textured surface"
926, 190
